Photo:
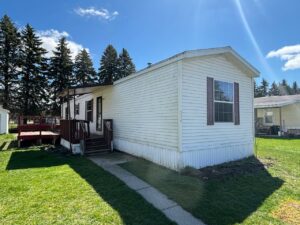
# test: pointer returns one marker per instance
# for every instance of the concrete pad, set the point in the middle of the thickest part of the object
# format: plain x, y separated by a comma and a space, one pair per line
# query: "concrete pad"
181, 217
168, 207
156, 198
134, 183
117, 171
113, 158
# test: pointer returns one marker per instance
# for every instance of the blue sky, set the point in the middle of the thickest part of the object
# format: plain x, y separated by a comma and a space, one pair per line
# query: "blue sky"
265, 32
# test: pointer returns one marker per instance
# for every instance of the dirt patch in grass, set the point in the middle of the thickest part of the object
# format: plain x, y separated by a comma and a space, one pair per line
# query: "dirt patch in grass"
230, 169
289, 212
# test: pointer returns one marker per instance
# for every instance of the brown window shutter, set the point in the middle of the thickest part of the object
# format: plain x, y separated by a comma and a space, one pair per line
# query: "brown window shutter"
236, 104
210, 101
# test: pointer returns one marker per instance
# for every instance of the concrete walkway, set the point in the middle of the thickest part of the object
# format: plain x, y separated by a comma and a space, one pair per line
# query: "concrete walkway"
168, 207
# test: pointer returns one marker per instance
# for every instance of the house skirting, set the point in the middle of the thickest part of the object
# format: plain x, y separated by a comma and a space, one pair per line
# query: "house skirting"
177, 160
162, 156
213, 155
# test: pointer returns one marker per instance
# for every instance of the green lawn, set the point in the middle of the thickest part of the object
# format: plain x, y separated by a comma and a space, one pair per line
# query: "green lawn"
261, 196
40, 187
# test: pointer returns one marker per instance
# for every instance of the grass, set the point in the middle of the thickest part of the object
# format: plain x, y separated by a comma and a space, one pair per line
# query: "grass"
40, 187
13, 125
252, 197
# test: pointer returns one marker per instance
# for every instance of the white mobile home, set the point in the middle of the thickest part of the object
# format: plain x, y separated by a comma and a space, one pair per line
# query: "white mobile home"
193, 109
282, 112
4, 117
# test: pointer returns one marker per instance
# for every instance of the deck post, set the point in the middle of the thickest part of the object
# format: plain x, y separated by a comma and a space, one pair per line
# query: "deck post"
40, 139
74, 106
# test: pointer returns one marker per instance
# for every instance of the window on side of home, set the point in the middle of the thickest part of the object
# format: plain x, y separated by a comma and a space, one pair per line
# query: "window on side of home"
77, 109
89, 110
269, 117
223, 101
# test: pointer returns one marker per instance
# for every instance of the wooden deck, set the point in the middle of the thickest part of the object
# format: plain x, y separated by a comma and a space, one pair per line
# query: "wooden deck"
37, 133
37, 128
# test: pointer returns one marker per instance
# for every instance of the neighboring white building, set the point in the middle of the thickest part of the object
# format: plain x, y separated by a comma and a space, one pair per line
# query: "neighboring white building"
193, 109
281, 111
4, 117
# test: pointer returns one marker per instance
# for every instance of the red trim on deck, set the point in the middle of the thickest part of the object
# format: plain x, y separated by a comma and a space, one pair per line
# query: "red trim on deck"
38, 128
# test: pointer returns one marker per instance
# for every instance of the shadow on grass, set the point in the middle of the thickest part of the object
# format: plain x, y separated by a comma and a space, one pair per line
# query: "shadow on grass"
241, 190
132, 208
6, 145
221, 195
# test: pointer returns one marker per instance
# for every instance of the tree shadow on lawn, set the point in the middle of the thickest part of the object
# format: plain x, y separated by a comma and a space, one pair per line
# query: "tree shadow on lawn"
235, 191
132, 208
221, 195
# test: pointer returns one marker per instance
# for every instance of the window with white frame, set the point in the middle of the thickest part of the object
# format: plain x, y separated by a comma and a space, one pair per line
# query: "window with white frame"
223, 101
269, 117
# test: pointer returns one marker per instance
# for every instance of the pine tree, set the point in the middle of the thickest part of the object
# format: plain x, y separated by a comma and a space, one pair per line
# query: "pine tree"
9, 58
108, 65
84, 71
264, 87
256, 91
125, 65
33, 94
61, 73
295, 89
274, 90
284, 88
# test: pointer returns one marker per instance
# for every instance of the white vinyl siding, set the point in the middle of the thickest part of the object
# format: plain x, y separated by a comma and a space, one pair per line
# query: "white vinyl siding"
209, 143
144, 109
291, 116
4, 116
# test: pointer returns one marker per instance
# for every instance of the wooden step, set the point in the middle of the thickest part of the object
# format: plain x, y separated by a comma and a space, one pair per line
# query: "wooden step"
95, 139
95, 143
96, 147
97, 152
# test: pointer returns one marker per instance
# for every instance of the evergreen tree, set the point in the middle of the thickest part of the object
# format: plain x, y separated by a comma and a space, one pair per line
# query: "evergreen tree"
264, 87
125, 65
9, 58
61, 73
33, 96
256, 91
284, 88
83, 69
108, 65
295, 89
274, 90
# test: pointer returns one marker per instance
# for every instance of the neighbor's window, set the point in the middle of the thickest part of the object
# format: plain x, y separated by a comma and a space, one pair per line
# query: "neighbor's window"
77, 109
223, 101
269, 117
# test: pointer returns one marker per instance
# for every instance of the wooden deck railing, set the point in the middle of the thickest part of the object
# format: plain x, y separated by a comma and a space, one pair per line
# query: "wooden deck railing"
74, 130
108, 132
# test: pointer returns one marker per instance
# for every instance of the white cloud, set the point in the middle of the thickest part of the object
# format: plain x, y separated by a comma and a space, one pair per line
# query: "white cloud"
93, 12
50, 39
290, 54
